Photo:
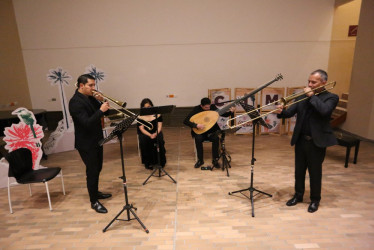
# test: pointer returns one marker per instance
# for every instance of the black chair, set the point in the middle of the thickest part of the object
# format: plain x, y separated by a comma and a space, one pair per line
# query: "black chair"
20, 167
348, 141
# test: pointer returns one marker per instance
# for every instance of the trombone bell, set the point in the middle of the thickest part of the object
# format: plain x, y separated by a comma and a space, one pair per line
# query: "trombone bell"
122, 111
97, 94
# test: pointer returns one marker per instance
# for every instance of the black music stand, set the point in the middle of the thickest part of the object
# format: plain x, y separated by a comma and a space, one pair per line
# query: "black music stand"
226, 158
258, 120
117, 132
157, 111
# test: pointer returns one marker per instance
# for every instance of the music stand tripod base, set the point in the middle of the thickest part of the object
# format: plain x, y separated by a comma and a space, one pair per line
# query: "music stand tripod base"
226, 158
129, 208
251, 189
156, 111
159, 168
117, 132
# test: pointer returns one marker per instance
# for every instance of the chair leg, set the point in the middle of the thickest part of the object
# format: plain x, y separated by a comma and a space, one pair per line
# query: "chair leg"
348, 152
194, 149
356, 152
30, 189
49, 198
9, 200
62, 181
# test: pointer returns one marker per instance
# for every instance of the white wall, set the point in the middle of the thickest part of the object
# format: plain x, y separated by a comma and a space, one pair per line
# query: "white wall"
154, 48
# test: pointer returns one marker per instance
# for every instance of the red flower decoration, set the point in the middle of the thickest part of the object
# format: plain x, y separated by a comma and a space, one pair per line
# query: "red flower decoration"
20, 136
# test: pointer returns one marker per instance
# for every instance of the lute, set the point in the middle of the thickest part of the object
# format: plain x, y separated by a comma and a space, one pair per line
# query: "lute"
208, 118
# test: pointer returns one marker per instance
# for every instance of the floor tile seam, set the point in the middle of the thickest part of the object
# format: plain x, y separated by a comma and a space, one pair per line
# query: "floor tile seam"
176, 195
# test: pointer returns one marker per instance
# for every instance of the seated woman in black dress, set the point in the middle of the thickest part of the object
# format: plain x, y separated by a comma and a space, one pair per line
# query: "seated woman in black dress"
148, 140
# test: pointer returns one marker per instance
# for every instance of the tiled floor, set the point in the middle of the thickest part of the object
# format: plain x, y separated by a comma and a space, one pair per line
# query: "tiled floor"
197, 212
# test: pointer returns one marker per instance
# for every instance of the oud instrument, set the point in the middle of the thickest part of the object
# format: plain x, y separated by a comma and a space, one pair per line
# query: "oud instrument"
208, 118
121, 110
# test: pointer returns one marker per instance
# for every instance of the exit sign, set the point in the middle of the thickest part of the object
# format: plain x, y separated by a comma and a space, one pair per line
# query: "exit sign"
352, 30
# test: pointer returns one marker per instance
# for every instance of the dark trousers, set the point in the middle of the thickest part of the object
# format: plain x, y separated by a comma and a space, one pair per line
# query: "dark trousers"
199, 139
148, 149
308, 156
93, 159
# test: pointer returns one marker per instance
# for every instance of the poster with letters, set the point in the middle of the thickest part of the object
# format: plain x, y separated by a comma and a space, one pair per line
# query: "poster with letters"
270, 95
217, 96
246, 127
274, 123
239, 93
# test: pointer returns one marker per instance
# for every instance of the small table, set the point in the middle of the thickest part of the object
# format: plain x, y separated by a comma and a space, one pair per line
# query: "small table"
348, 141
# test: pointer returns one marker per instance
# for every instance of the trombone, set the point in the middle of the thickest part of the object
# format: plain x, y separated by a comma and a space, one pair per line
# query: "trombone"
285, 101
122, 111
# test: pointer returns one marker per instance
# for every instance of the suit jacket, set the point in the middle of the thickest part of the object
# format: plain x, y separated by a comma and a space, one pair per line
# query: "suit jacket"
197, 109
322, 108
86, 114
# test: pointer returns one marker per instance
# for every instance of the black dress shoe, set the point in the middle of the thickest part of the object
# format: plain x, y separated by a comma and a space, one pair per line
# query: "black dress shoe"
199, 164
98, 207
101, 195
216, 164
313, 206
294, 201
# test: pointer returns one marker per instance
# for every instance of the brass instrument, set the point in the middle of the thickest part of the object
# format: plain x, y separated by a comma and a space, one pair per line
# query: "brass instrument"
124, 112
285, 101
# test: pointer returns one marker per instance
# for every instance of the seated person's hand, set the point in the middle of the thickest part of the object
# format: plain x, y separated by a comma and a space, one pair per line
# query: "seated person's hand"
232, 109
200, 126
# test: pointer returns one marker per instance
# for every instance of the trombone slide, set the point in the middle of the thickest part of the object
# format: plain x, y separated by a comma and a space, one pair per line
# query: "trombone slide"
286, 102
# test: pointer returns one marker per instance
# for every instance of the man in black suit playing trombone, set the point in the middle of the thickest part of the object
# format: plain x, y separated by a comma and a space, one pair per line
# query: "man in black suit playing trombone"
311, 136
87, 112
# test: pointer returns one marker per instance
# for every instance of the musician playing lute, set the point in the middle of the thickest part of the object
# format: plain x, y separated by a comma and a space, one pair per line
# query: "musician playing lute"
203, 123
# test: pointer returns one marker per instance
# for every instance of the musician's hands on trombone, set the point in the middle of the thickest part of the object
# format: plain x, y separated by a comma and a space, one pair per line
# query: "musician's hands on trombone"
279, 109
308, 91
104, 107
98, 96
